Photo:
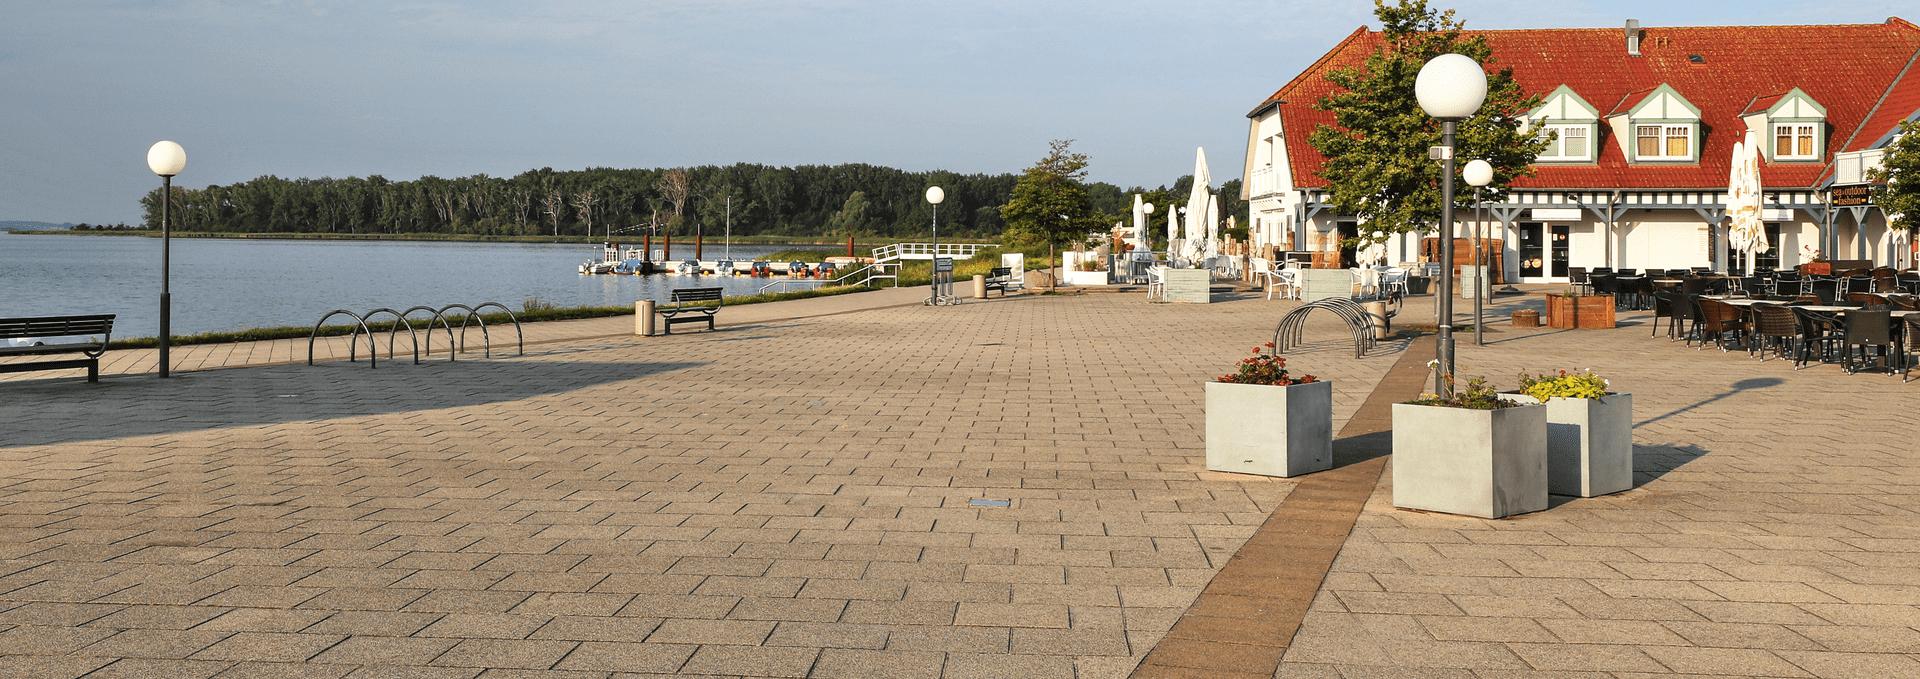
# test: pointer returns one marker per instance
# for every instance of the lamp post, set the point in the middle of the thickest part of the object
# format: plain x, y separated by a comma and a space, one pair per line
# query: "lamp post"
1478, 173
166, 159
1450, 88
935, 195
1146, 232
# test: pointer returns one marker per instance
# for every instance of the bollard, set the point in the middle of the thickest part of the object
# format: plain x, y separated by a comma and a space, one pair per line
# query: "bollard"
1377, 317
979, 286
643, 318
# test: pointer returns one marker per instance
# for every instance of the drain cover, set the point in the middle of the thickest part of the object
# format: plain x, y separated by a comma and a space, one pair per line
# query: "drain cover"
990, 503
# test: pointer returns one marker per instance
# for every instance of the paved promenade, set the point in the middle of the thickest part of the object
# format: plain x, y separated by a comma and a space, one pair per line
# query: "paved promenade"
814, 491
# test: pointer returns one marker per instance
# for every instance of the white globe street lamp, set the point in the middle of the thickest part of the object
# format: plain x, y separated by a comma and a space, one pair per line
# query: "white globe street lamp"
1450, 87
935, 195
166, 159
1478, 174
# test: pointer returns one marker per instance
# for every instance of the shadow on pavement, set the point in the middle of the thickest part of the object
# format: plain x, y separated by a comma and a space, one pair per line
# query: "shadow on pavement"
71, 411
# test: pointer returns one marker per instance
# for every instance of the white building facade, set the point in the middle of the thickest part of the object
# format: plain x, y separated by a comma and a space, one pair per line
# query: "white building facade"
1643, 125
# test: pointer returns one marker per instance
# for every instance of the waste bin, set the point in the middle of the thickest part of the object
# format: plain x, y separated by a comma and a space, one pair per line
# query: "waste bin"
1417, 285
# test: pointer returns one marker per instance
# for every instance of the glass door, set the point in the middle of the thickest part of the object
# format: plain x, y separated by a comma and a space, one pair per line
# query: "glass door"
1557, 251
1532, 251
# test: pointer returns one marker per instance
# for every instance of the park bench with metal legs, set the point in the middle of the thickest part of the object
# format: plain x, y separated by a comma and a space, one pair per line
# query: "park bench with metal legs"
998, 278
691, 305
96, 329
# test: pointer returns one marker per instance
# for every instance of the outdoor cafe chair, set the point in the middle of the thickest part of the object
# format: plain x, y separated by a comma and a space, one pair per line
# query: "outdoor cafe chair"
1393, 281
1663, 308
1777, 327
1643, 293
1910, 282
1827, 289
1869, 328
1754, 285
1577, 275
1886, 284
1685, 316
1720, 321
1867, 299
1157, 282
1857, 283
1694, 286
1817, 335
1912, 335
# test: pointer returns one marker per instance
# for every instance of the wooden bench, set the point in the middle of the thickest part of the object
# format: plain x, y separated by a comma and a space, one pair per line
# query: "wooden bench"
57, 326
998, 278
691, 305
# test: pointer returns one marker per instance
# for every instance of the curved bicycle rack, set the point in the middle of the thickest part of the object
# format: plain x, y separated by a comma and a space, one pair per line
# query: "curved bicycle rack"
454, 346
437, 318
372, 351
1293, 326
395, 330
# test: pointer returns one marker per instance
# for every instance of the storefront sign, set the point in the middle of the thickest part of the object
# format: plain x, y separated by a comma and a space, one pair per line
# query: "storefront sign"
1556, 214
1850, 195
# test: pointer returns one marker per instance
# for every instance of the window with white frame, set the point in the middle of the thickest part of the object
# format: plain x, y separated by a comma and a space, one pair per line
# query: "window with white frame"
1565, 143
1663, 142
1794, 141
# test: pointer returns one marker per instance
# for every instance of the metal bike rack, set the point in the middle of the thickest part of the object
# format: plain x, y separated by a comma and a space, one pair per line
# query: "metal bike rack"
372, 351
454, 347
1293, 326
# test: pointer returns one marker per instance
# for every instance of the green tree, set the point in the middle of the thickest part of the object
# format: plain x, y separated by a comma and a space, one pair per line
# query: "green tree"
1377, 166
1050, 204
1900, 170
851, 220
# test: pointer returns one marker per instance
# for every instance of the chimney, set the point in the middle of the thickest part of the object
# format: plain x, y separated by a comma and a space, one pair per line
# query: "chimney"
1633, 37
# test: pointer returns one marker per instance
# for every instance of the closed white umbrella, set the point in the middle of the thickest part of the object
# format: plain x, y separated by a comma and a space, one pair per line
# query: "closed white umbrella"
1197, 195
1747, 232
1139, 220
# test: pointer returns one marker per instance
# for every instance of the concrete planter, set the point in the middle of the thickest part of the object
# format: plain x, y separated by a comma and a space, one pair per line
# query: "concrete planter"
1270, 430
1086, 278
1485, 463
1589, 444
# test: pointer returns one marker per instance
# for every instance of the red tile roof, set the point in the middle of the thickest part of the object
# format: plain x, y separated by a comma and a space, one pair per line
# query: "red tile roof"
1847, 68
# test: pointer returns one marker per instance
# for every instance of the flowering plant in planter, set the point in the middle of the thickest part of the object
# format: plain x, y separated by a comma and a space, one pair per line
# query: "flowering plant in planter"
1264, 368
1564, 385
1477, 396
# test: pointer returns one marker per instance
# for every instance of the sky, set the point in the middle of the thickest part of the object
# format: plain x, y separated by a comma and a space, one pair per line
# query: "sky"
310, 88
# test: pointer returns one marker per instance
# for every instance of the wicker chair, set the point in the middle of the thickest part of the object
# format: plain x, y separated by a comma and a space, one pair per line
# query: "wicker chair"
1663, 308
1686, 318
1869, 328
1816, 335
1777, 327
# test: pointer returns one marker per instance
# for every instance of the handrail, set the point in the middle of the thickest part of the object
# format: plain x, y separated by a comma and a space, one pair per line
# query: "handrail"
395, 330
373, 358
873, 270
816, 283
887, 253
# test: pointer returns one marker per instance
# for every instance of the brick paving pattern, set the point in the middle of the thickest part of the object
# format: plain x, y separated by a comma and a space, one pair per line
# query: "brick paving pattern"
791, 497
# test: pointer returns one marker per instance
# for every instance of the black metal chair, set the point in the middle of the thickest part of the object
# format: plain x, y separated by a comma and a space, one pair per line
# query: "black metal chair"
1663, 308
1754, 285
1577, 275
1629, 272
1827, 289
1686, 318
1867, 328
1816, 335
1786, 283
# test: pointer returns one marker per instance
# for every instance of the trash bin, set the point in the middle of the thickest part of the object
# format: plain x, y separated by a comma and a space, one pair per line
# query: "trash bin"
1417, 285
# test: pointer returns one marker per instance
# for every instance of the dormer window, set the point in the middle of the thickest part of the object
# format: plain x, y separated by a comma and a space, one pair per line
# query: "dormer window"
1568, 125
1663, 142
1794, 141
1566, 143
1657, 126
1796, 123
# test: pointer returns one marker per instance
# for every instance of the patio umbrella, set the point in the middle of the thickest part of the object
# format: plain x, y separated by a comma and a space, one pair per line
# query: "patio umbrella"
1747, 232
1197, 195
1139, 222
1213, 225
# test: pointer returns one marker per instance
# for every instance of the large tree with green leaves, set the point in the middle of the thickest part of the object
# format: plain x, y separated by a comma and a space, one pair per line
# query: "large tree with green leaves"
1376, 152
1050, 203
1900, 170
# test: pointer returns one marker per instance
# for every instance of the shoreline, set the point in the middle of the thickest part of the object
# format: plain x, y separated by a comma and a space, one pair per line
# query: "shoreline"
474, 238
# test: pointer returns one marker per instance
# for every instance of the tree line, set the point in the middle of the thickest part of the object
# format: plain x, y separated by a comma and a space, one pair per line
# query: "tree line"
810, 200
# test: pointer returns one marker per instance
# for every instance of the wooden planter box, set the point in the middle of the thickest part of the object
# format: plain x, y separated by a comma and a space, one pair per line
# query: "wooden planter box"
1589, 311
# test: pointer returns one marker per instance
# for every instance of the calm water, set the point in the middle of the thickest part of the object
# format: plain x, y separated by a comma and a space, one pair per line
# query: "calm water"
221, 285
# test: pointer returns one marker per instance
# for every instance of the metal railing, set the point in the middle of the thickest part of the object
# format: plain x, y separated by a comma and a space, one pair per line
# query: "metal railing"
816, 283
454, 347
927, 251
874, 271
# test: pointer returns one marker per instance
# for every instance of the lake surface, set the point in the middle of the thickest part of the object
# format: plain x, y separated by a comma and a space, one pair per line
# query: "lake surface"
225, 284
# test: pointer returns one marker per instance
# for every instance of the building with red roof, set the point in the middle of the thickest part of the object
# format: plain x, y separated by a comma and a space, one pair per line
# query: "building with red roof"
1645, 121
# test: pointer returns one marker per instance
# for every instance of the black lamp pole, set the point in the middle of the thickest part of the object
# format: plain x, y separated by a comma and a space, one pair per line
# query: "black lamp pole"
166, 252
